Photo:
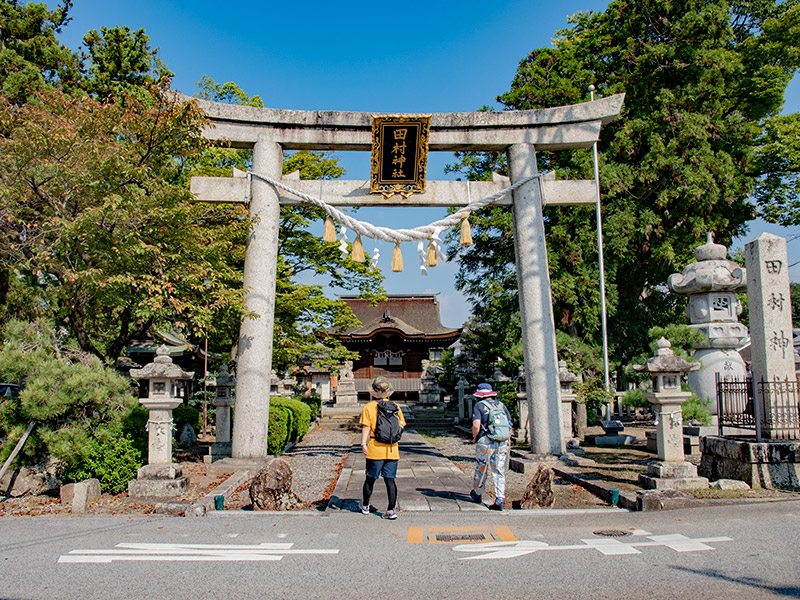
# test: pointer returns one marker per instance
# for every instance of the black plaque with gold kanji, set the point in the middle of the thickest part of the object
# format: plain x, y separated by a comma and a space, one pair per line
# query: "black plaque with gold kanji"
399, 154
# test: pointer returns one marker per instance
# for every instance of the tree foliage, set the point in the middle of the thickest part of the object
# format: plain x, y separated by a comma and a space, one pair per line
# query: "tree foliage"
96, 216
703, 83
302, 309
75, 401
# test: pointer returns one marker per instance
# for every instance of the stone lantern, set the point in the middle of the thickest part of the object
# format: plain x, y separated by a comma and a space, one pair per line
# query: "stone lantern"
670, 470
711, 284
160, 478
566, 379
223, 400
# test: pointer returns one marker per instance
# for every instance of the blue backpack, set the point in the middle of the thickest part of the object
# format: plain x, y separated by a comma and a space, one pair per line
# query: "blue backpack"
498, 429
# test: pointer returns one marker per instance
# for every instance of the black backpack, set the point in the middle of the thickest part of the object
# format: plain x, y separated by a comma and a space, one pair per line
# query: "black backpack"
387, 429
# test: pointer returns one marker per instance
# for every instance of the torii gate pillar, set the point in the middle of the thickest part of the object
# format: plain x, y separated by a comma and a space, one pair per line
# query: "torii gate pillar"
254, 356
535, 306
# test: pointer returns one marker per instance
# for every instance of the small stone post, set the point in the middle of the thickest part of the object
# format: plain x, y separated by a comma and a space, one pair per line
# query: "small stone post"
223, 400
670, 470
461, 385
160, 478
522, 407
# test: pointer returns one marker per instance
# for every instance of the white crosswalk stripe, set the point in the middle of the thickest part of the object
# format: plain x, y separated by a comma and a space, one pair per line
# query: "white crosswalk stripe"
188, 552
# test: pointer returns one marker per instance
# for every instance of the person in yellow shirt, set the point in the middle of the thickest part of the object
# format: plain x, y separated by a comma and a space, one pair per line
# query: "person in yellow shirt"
381, 457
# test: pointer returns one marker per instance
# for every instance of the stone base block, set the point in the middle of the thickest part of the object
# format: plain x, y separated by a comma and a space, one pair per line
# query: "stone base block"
611, 440
672, 470
650, 482
766, 465
218, 451
527, 462
169, 471
158, 488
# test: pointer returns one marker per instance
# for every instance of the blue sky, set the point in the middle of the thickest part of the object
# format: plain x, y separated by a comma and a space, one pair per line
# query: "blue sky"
405, 57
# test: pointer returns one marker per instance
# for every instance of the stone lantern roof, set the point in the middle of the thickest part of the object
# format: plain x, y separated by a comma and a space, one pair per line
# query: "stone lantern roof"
224, 379
711, 273
666, 361
564, 375
161, 368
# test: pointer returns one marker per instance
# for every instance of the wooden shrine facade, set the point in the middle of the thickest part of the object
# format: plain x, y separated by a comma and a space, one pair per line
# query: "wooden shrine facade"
394, 339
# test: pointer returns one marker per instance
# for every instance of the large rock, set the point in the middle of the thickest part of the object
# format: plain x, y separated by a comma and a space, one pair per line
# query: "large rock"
32, 481
272, 487
539, 493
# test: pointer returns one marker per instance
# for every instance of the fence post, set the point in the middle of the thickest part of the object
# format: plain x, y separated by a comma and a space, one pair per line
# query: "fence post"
758, 389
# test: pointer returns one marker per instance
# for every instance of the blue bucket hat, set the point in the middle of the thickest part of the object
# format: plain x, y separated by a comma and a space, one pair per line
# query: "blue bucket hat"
484, 391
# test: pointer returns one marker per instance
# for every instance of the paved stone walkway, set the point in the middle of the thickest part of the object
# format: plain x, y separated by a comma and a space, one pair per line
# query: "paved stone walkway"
426, 481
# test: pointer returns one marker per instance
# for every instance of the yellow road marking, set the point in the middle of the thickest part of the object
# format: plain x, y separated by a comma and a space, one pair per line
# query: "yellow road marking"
414, 535
503, 534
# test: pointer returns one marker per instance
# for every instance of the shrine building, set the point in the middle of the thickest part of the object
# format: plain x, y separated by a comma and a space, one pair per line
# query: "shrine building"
394, 339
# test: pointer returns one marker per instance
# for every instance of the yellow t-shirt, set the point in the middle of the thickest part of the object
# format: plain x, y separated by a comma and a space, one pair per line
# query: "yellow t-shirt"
378, 450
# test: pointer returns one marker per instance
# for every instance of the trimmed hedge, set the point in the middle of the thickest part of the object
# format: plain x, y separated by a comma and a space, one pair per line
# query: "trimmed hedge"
301, 416
279, 428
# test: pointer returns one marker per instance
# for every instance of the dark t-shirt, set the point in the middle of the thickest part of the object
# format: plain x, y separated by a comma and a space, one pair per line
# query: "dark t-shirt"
481, 412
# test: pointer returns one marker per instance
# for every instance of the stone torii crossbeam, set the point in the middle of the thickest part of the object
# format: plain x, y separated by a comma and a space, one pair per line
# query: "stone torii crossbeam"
268, 132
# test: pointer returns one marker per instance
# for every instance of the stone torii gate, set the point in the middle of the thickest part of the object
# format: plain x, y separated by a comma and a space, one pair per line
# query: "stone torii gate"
268, 132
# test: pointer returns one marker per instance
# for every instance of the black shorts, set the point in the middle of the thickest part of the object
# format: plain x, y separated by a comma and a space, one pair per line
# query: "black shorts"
378, 468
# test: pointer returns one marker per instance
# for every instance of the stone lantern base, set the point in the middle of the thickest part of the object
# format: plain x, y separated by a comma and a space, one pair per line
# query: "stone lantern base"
158, 481
672, 475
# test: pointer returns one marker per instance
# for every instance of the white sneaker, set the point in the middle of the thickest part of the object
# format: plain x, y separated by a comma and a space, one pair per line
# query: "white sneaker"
390, 514
364, 509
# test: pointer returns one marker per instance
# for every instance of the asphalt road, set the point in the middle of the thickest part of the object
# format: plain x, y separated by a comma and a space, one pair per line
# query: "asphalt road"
745, 551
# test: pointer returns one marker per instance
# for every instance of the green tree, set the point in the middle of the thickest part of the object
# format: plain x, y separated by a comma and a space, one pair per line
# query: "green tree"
303, 313
703, 83
97, 218
75, 401
31, 58
120, 62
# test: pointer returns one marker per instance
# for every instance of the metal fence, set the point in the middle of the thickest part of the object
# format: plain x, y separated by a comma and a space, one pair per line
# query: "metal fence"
768, 408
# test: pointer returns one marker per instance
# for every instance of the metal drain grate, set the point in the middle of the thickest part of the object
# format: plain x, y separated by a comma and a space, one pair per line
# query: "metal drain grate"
460, 536
612, 532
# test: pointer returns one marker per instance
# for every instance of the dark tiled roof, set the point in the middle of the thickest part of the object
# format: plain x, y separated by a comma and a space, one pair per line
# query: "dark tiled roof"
414, 315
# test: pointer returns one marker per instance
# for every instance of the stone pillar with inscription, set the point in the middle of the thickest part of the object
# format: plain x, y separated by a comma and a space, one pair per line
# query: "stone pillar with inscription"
711, 284
772, 350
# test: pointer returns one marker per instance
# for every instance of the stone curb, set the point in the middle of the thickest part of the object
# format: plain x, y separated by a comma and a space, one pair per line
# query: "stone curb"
204, 505
601, 490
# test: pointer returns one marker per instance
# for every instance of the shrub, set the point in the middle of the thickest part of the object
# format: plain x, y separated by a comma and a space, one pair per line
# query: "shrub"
278, 429
635, 399
301, 415
696, 409
187, 414
313, 402
114, 461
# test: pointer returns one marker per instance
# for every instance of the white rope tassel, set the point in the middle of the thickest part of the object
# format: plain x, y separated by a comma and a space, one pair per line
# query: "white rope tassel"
375, 256
437, 245
422, 257
343, 242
